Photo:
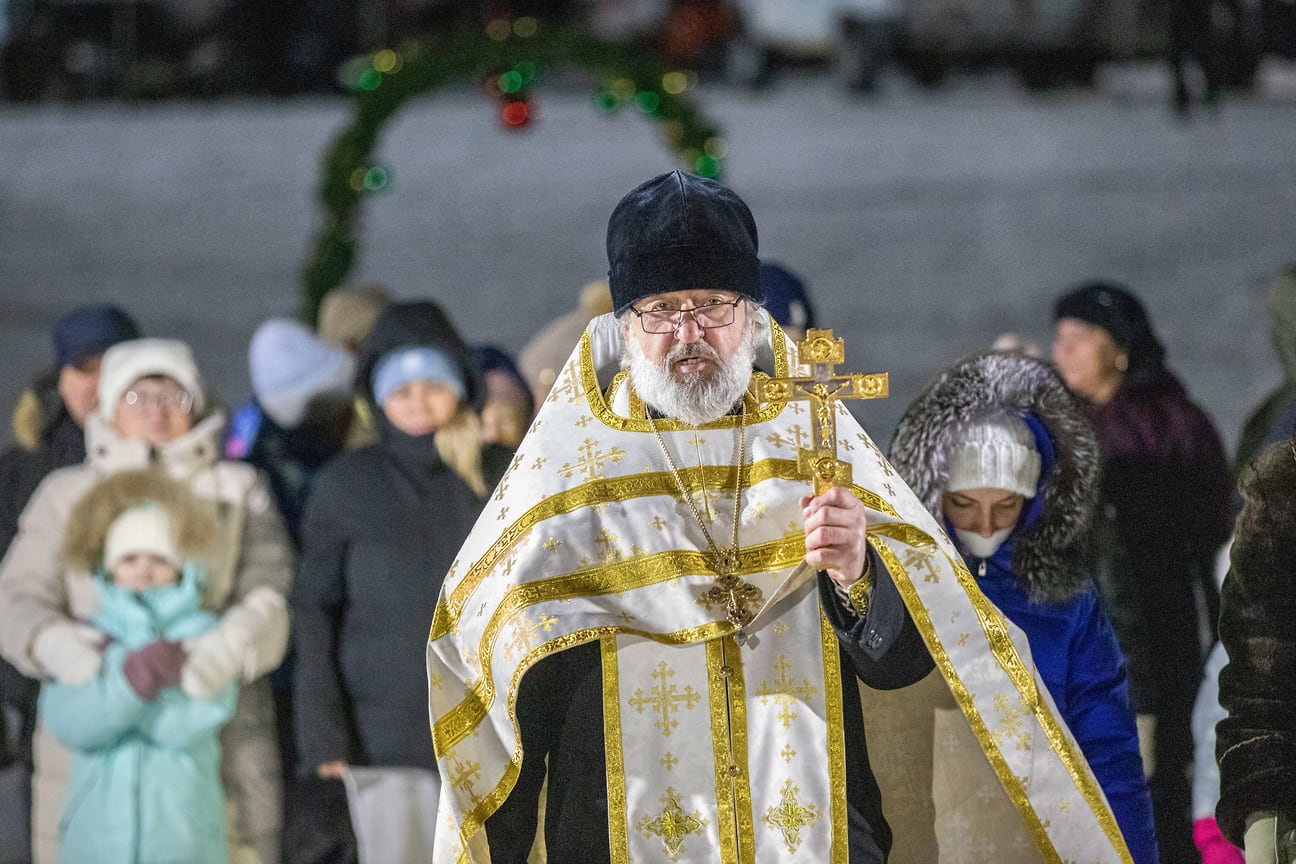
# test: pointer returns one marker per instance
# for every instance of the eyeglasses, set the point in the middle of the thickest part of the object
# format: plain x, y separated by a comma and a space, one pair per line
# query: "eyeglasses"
665, 318
165, 399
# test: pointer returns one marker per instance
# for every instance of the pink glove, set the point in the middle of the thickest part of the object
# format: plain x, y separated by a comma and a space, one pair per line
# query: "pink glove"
1211, 844
153, 668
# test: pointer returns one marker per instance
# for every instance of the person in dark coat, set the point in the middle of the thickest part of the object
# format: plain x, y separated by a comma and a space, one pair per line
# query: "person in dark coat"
1254, 743
381, 528
50, 417
999, 450
48, 428
1163, 514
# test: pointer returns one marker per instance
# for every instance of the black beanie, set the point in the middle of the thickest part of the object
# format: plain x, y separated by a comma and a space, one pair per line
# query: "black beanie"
677, 232
1113, 308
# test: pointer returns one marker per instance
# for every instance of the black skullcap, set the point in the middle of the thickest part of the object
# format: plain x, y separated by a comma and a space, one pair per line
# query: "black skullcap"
1113, 308
680, 231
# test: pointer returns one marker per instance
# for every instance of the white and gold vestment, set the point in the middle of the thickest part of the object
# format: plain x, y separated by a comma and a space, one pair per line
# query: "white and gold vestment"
716, 751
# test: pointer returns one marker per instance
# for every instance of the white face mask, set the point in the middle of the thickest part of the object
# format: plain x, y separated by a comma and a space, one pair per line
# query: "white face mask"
981, 547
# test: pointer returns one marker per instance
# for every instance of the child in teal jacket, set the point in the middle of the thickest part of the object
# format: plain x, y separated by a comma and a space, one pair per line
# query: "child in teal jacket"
145, 785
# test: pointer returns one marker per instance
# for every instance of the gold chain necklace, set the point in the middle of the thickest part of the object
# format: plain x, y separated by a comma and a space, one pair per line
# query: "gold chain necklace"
725, 561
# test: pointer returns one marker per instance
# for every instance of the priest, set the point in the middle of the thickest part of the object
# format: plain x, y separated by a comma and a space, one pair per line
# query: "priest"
658, 616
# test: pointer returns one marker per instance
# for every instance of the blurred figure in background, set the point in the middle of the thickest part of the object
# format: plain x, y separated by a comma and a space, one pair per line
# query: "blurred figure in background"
48, 428
1275, 418
382, 527
300, 414
786, 299
1004, 456
509, 406
1163, 514
1257, 806
543, 357
49, 421
1207, 712
153, 413
145, 782
299, 418
346, 315
1192, 41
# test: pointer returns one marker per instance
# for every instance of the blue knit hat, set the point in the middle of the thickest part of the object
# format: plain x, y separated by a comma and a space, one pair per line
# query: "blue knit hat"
400, 366
89, 331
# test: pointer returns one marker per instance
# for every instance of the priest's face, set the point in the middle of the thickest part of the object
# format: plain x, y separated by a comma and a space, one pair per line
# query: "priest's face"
692, 372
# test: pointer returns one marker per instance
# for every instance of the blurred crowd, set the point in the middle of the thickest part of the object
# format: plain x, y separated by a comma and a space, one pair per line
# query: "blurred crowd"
79, 49
225, 610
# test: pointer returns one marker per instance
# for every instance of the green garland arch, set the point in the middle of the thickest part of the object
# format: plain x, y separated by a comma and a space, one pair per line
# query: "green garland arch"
514, 54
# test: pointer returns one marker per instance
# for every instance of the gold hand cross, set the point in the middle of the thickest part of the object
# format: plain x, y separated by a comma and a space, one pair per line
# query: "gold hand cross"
821, 352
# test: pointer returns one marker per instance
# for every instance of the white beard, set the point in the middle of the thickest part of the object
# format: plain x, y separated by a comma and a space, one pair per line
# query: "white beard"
698, 397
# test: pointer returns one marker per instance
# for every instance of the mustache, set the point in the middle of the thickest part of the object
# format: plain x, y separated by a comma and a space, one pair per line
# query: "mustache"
688, 350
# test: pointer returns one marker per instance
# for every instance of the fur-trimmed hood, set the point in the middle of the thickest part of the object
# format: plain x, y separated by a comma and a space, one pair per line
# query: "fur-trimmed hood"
191, 519
1048, 551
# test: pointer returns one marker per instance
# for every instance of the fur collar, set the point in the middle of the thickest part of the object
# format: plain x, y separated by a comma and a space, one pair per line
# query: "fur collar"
1047, 558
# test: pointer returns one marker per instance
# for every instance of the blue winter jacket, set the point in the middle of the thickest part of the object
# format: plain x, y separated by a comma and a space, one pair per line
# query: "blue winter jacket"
1078, 658
145, 785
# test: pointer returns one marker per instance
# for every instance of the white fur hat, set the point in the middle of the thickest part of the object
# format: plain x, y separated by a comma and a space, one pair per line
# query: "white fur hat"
994, 453
127, 362
144, 528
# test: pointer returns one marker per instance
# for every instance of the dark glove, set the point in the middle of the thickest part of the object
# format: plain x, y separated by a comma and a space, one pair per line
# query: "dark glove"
154, 667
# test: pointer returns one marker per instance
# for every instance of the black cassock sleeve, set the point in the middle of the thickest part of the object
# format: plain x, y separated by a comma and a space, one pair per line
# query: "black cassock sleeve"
884, 646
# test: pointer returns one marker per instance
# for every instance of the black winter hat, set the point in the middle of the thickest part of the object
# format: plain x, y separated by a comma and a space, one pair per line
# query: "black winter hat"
680, 231
1113, 308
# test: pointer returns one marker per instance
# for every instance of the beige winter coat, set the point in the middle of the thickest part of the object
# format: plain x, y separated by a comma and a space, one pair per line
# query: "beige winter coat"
250, 569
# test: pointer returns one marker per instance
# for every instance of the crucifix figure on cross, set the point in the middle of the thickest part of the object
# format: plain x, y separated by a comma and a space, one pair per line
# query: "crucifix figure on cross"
821, 352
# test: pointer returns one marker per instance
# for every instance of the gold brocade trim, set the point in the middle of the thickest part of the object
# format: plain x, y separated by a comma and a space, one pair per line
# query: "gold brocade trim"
992, 620
460, 721
726, 695
1006, 656
603, 412
742, 785
640, 485
836, 741
493, 800
626, 575
618, 814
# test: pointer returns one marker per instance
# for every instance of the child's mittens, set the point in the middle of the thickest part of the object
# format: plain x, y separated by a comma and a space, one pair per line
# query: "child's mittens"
1212, 845
69, 652
213, 663
153, 668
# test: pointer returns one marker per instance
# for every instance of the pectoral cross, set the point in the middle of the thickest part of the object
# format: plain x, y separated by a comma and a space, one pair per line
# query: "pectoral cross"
821, 352
735, 595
